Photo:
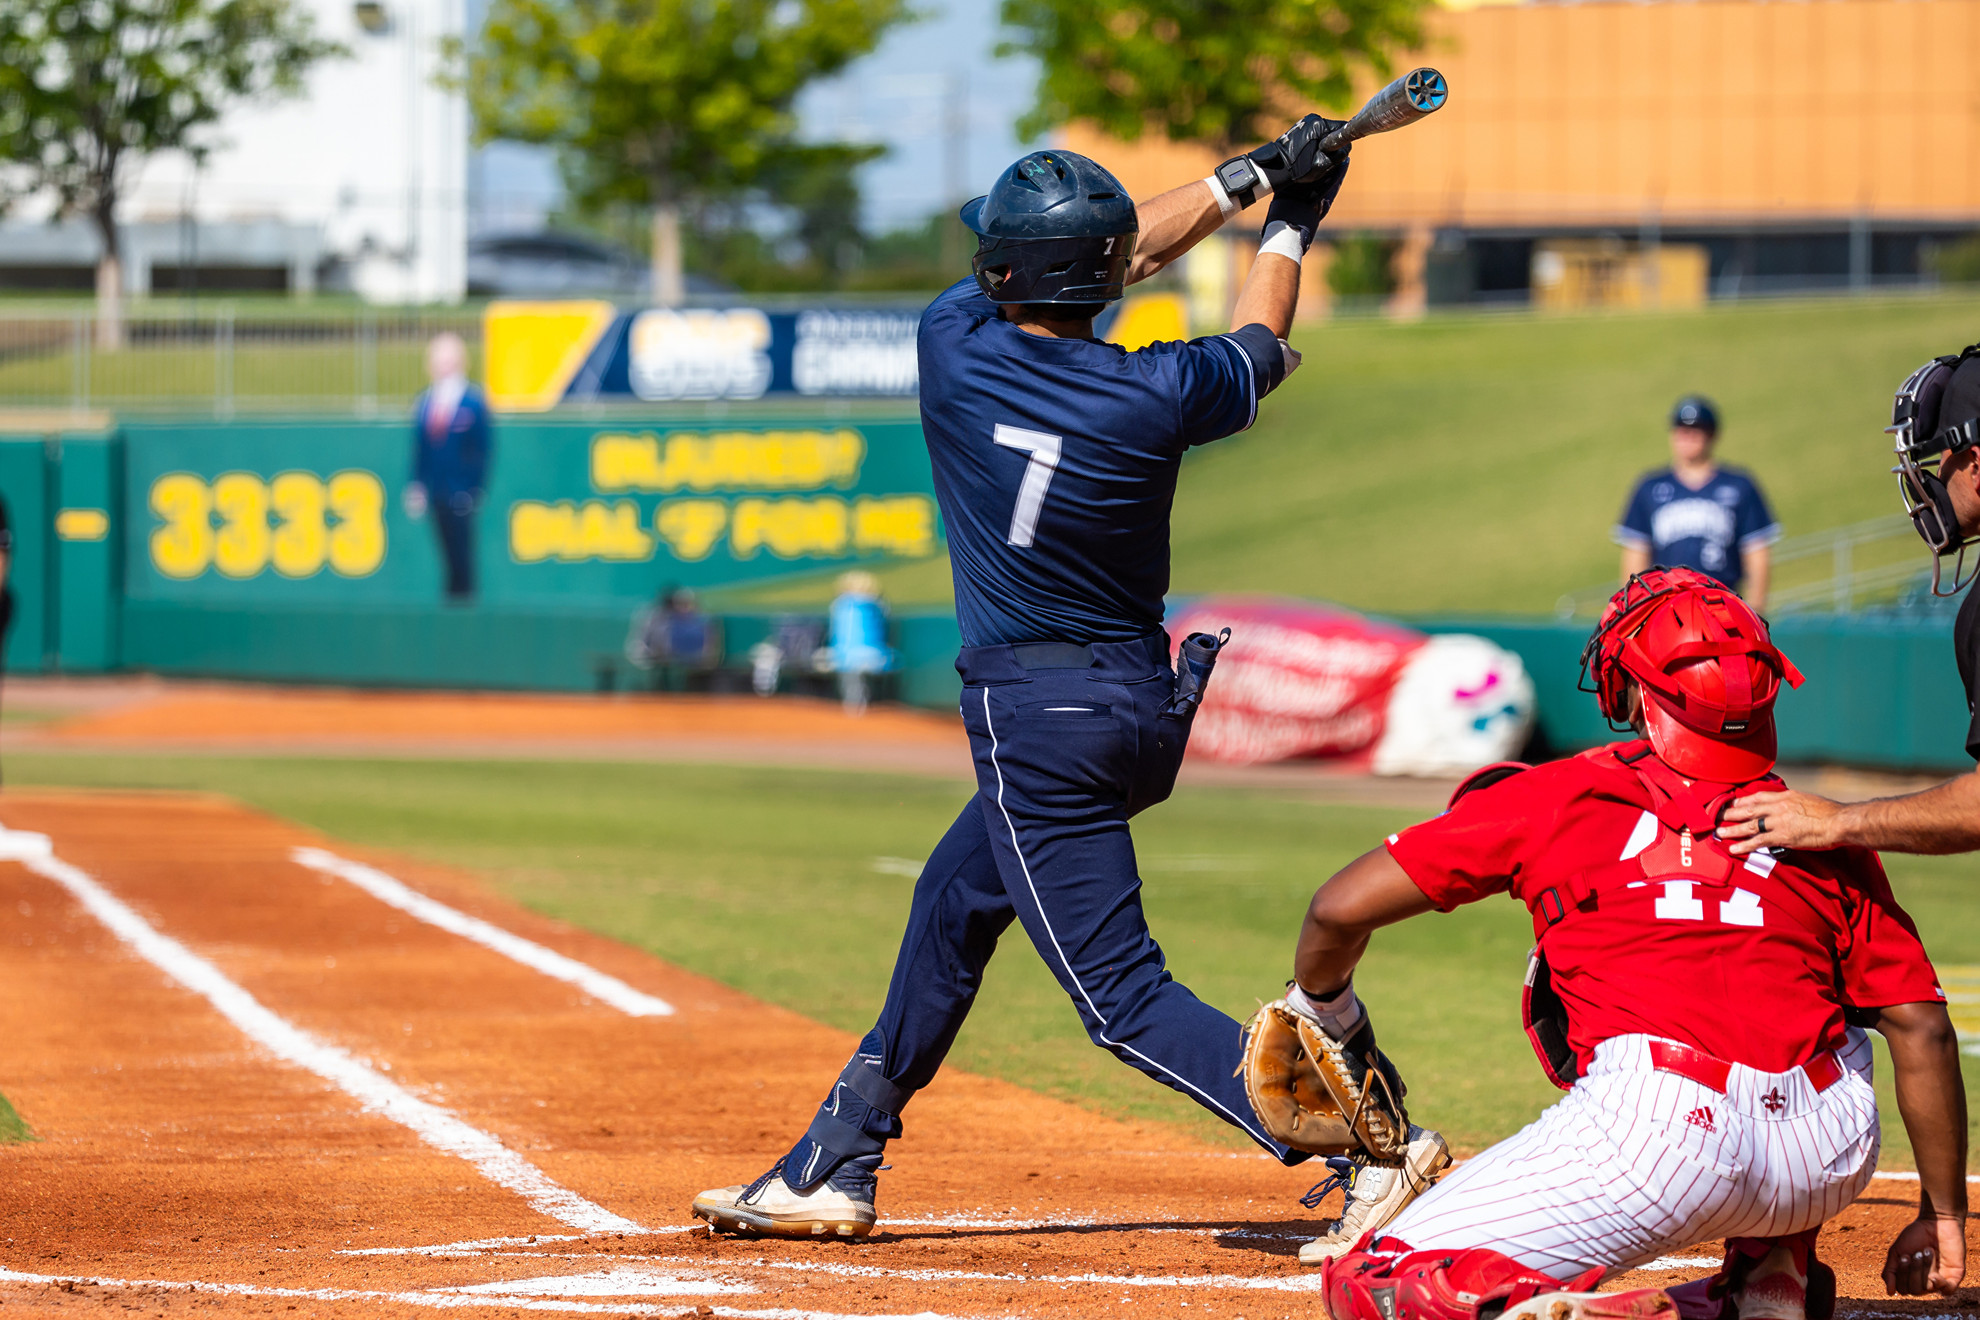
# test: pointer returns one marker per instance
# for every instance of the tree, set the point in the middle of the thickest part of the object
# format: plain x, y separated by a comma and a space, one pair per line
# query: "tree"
661, 103
1216, 71
90, 88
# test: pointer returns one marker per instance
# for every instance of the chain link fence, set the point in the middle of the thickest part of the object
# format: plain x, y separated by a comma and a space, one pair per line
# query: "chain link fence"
224, 360
1879, 564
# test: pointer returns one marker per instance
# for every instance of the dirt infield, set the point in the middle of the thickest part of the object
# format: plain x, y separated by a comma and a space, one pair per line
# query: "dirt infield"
145, 714
265, 1086
149, 716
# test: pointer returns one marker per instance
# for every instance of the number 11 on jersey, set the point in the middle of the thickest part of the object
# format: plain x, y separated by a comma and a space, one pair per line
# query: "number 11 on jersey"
1044, 451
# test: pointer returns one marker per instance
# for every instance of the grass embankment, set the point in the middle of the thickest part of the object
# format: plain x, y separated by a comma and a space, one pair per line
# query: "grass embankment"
787, 884
1477, 462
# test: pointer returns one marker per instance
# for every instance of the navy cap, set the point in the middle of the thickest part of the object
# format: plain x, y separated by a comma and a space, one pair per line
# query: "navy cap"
1696, 412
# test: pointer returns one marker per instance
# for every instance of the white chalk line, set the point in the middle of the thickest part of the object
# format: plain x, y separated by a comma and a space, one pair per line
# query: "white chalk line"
1309, 1282
442, 1300
486, 1246
437, 1127
498, 1246
387, 889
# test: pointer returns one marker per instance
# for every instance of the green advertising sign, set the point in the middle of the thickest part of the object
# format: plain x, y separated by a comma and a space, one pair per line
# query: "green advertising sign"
311, 512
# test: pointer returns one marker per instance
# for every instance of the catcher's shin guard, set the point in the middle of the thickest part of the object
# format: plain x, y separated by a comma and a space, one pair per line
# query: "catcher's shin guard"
1384, 1279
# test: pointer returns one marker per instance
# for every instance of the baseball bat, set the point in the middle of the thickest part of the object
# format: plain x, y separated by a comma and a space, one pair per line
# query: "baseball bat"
1404, 101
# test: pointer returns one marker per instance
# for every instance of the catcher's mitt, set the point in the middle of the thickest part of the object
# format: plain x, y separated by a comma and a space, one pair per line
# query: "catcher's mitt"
1321, 1095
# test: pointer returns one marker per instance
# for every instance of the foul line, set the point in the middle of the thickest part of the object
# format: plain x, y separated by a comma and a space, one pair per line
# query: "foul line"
445, 1300
437, 1127
386, 889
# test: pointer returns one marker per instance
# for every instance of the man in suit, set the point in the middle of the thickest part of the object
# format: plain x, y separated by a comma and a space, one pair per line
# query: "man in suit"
450, 459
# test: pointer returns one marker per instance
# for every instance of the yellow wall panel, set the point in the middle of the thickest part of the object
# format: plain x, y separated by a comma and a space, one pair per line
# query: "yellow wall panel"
1721, 111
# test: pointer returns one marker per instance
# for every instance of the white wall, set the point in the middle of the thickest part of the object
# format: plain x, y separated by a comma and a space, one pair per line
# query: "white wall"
373, 152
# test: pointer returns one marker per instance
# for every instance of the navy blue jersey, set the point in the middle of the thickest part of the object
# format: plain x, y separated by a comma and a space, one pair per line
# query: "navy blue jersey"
1055, 464
1705, 529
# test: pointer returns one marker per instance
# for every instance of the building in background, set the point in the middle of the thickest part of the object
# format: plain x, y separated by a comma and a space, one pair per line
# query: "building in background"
358, 185
1794, 146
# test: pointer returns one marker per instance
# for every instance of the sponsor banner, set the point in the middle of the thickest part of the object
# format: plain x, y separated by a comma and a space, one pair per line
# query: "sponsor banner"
577, 512
541, 354
1304, 679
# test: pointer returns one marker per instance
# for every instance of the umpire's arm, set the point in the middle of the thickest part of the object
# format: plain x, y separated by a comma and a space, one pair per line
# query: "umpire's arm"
1930, 1254
1942, 819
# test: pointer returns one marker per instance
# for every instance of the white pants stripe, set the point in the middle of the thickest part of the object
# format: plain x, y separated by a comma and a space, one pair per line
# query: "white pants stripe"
1634, 1163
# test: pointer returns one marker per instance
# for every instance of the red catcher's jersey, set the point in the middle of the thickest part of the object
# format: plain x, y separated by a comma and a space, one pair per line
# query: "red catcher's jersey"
1757, 970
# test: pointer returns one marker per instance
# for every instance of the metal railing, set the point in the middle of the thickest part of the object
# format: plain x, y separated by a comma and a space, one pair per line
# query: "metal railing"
224, 359
1842, 570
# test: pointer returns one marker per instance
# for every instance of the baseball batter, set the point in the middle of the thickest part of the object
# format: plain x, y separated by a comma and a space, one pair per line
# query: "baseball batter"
1700, 1010
1055, 458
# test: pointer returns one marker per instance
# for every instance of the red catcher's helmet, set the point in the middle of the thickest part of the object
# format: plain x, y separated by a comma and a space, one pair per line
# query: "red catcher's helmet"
1705, 665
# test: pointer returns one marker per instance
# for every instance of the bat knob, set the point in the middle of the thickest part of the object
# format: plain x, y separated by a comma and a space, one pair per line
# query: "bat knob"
1426, 89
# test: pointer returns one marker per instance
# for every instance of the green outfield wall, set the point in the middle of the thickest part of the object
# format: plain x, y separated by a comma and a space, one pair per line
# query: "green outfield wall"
282, 550
1881, 691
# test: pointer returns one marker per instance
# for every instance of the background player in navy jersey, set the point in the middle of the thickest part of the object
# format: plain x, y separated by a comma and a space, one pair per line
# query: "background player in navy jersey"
1055, 459
1696, 514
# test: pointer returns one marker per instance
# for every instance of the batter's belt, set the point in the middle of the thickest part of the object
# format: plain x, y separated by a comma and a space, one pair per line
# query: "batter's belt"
1822, 1071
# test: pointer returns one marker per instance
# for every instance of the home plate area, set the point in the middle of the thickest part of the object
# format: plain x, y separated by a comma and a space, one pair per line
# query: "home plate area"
269, 1072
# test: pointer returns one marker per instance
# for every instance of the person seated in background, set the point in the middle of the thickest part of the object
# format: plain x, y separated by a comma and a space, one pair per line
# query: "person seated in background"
680, 645
859, 638
1695, 514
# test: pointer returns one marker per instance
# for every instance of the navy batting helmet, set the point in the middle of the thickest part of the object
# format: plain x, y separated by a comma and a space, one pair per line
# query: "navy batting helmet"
1696, 411
1055, 228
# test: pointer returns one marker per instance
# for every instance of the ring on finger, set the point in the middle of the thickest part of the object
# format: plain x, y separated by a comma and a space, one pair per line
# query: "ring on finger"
1762, 823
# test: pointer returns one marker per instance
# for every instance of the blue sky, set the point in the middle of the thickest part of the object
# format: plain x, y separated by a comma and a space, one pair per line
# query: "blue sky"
902, 96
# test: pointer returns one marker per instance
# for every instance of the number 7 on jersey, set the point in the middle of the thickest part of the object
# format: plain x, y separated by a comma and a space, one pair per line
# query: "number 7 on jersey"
1044, 451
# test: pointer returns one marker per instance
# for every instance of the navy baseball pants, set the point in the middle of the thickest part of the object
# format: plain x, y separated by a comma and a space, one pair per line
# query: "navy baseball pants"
453, 519
1069, 742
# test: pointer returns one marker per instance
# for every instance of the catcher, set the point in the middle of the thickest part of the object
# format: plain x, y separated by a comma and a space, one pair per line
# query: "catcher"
1700, 1011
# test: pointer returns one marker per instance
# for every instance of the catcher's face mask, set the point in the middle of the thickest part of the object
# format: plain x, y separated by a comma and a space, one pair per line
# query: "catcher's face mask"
1923, 451
1706, 668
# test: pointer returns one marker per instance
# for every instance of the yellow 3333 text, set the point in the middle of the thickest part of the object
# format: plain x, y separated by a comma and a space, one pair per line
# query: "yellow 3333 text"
240, 525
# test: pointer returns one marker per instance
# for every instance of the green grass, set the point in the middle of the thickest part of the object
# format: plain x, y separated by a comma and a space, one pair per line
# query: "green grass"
292, 375
1476, 462
13, 1128
766, 880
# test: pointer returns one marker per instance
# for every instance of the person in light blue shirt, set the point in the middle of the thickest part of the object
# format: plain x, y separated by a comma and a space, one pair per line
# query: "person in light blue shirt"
859, 638
1697, 514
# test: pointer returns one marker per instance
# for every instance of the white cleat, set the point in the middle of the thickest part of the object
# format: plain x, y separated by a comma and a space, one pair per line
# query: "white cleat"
1376, 1193
1636, 1304
1774, 1289
839, 1207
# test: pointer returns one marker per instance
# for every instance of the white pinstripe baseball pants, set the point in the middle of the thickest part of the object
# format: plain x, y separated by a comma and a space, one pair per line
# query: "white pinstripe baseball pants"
1633, 1163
